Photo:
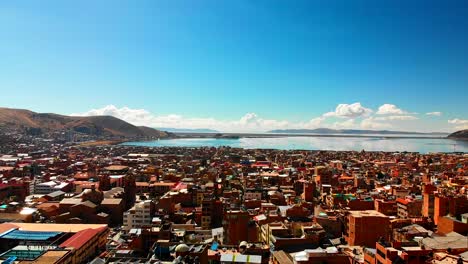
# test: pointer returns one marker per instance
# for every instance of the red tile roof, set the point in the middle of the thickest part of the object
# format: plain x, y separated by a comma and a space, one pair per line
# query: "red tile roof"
403, 201
81, 238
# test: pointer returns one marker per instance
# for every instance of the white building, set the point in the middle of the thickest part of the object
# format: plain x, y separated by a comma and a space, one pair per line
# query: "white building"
253, 196
48, 187
138, 216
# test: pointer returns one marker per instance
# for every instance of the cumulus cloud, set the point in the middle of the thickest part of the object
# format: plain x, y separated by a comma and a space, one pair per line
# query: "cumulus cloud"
349, 111
459, 123
372, 123
434, 113
250, 122
314, 122
396, 117
390, 109
348, 124
345, 116
133, 116
140, 117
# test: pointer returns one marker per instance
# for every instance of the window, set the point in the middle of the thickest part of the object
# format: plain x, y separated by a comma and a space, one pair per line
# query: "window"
381, 253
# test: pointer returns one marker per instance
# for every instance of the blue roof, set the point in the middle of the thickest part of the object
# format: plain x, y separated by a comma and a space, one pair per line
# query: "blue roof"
214, 246
10, 260
13, 255
29, 235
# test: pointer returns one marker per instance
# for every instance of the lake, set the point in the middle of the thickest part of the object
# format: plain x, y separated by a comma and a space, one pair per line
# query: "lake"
422, 145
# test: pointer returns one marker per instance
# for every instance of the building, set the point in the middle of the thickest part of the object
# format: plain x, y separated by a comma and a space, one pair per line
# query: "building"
51, 186
18, 189
363, 228
385, 253
330, 255
52, 243
428, 200
449, 224
138, 216
453, 205
240, 258
86, 243
310, 189
409, 208
207, 208
457, 243
386, 207
280, 235
238, 226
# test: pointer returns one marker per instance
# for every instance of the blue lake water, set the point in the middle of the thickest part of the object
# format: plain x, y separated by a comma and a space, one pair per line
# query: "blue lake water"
422, 145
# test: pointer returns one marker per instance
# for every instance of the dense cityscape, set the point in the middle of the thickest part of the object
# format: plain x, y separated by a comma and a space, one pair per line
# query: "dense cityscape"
75, 202
233, 132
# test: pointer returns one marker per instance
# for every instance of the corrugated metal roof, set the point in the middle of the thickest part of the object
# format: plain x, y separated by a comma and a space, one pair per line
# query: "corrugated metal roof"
29, 235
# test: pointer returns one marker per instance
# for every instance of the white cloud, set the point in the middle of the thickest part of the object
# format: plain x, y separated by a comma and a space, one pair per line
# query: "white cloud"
140, 117
348, 124
434, 113
459, 123
315, 122
396, 117
372, 123
250, 122
345, 116
390, 109
134, 116
349, 111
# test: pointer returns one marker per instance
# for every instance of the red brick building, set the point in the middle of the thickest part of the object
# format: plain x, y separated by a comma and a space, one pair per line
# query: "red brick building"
453, 205
385, 207
428, 200
387, 254
363, 228
239, 226
409, 208
449, 224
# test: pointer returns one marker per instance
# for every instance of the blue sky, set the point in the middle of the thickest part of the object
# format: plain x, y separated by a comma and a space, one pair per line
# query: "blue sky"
212, 63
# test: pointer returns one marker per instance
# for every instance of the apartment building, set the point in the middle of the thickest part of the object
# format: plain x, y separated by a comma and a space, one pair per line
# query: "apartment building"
138, 216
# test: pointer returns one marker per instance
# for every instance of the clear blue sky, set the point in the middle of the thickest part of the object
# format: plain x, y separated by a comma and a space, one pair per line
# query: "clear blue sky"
283, 60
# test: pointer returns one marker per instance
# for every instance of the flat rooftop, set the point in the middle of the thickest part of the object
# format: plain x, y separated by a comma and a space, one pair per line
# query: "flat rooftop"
366, 213
54, 227
50, 256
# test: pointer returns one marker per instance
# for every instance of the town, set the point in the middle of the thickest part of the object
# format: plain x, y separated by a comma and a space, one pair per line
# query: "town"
65, 202
233, 132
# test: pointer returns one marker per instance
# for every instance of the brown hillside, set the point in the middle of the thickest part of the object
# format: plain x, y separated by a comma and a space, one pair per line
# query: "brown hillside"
462, 134
93, 125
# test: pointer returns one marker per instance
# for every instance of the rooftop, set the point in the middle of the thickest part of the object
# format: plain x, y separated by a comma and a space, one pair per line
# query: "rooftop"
53, 227
367, 213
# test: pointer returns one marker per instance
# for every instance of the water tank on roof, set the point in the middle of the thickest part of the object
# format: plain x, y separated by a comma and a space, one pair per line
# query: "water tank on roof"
182, 248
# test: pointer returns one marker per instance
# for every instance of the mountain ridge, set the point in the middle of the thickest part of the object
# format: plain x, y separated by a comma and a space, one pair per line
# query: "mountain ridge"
461, 134
351, 131
37, 123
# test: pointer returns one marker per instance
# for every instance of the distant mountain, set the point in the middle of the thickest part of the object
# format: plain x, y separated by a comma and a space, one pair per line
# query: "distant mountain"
38, 123
462, 134
349, 131
187, 130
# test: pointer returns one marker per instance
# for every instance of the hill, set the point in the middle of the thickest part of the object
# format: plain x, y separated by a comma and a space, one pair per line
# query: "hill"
462, 134
37, 123
348, 131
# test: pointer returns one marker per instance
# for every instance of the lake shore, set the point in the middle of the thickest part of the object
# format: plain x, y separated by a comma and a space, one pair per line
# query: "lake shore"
280, 135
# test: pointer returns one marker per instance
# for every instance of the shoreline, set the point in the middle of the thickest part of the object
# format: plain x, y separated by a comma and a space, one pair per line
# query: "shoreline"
267, 135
